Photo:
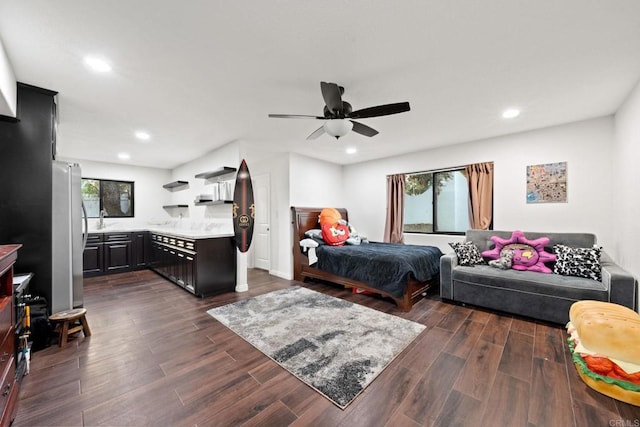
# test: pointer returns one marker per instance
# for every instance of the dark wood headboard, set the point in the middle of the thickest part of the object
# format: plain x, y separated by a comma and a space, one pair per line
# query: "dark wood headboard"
304, 219
307, 218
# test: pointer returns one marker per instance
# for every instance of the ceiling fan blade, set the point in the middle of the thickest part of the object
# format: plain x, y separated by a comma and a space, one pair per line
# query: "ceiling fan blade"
316, 133
380, 110
363, 129
332, 97
295, 116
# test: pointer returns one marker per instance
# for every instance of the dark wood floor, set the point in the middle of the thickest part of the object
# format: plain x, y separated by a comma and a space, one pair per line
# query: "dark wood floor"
156, 358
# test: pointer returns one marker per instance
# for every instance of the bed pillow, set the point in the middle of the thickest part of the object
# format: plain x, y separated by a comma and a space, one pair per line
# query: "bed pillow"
308, 243
335, 234
354, 237
467, 252
579, 262
315, 234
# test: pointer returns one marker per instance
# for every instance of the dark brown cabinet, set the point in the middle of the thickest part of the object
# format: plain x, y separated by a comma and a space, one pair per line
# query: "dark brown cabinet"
118, 256
115, 253
26, 182
9, 386
141, 249
92, 257
202, 266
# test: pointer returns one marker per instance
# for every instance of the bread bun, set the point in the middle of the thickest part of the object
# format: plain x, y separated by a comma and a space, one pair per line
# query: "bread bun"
611, 390
609, 329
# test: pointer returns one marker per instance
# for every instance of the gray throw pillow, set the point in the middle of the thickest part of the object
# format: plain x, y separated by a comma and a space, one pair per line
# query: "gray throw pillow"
468, 253
579, 262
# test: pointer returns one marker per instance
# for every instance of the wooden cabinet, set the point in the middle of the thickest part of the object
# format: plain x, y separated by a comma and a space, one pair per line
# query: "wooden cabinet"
26, 182
118, 256
141, 249
202, 266
115, 253
92, 257
9, 387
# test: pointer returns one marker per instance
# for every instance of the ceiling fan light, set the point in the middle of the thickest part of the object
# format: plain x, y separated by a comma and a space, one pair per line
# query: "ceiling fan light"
338, 127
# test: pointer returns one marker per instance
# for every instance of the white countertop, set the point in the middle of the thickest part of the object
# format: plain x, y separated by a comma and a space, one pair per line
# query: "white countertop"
190, 234
202, 232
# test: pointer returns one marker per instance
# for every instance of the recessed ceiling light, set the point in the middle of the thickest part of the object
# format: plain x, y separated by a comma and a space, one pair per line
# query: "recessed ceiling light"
351, 150
124, 156
510, 113
143, 135
97, 64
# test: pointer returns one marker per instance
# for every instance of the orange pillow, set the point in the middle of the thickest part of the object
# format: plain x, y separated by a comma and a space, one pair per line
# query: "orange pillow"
335, 234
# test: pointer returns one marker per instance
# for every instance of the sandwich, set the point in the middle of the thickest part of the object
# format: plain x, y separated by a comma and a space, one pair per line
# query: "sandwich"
605, 346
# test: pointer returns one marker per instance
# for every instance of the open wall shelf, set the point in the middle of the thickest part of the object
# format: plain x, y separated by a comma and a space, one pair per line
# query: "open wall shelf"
212, 202
175, 184
175, 206
216, 173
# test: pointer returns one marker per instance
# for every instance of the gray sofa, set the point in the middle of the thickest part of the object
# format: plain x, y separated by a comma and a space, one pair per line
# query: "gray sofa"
538, 295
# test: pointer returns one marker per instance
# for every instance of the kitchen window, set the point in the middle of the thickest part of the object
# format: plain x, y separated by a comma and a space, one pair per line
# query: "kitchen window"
113, 198
436, 202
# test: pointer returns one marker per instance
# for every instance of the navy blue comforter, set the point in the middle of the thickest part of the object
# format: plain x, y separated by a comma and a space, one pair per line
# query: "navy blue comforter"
385, 266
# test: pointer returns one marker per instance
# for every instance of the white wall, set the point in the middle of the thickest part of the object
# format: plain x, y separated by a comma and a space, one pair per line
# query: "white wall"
585, 146
601, 184
227, 155
149, 196
315, 183
295, 180
8, 87
276, 165
625, 183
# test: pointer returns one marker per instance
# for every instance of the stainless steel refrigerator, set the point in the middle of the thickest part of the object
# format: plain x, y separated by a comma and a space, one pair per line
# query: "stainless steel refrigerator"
68, 239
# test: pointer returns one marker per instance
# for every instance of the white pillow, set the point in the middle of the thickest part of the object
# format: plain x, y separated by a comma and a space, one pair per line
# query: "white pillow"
308, 243
314, 233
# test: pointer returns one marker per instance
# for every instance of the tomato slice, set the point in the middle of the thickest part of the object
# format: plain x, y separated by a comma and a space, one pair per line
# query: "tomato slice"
622, 374
599, 365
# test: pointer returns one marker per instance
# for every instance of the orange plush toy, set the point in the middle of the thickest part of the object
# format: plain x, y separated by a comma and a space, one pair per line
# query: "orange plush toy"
335, 231
329, 216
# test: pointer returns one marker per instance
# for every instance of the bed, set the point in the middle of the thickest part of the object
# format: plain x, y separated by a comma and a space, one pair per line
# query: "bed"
400, 272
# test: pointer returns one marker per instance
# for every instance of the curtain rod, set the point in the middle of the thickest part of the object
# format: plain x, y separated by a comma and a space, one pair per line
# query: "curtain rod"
430, 171
437, 170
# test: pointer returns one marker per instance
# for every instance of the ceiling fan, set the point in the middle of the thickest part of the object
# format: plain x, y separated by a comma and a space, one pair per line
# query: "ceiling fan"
338, 114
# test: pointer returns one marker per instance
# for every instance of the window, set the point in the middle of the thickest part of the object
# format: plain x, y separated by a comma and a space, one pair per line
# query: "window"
445, 210
114, 197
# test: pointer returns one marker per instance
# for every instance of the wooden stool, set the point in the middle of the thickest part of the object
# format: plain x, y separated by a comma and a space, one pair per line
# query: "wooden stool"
68, 324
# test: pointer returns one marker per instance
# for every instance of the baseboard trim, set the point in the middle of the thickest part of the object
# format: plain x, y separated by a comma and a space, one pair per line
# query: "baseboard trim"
280, 274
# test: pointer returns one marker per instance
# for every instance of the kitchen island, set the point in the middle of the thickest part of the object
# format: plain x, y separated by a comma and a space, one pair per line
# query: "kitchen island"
201, 262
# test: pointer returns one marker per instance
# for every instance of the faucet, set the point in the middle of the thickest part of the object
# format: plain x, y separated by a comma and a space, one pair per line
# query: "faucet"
103, 213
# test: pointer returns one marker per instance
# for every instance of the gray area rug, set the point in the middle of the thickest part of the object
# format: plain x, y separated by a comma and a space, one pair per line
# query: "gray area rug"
333, 345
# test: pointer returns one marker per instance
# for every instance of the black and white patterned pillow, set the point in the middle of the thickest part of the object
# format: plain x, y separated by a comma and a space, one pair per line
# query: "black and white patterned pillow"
467, 252
579, 262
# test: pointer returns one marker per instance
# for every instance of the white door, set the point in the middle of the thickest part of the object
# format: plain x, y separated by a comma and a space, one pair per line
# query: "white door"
261, 238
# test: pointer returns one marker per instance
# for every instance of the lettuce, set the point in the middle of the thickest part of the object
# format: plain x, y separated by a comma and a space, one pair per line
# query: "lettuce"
582, 365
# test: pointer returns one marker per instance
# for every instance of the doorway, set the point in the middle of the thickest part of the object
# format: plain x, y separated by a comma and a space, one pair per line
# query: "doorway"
261, 254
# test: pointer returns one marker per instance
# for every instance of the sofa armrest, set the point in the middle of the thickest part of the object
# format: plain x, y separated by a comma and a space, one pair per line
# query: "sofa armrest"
447, 263
622, 285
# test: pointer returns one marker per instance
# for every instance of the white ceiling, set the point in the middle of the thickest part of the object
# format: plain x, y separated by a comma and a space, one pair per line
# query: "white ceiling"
200, 74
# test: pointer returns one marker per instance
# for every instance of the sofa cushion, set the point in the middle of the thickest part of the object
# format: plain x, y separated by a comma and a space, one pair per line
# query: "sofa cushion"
579, 262
574, 288
482, 238
467, 253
